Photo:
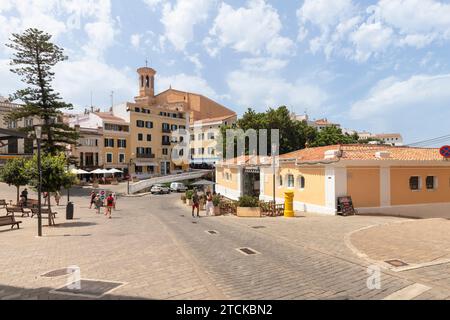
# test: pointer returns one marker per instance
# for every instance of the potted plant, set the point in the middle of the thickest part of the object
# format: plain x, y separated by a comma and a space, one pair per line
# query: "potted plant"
248, 206
216, 203
189, 195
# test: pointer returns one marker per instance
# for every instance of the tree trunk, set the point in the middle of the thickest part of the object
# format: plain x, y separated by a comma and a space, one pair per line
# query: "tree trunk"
18, 192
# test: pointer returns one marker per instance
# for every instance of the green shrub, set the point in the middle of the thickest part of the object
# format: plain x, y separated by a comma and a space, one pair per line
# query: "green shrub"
189, 194
248, 202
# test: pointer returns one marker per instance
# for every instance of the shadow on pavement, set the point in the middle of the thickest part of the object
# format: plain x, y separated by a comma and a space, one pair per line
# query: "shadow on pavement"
75, 224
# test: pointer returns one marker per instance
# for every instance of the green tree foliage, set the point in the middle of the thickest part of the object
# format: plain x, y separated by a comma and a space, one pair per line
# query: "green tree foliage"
15, 174
33, 59
333, 135
54, 173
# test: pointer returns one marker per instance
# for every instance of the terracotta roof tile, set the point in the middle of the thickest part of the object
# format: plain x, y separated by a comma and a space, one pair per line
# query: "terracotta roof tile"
109, 117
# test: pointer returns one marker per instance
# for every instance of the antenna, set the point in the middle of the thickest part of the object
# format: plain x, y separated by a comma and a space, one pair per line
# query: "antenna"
112, 99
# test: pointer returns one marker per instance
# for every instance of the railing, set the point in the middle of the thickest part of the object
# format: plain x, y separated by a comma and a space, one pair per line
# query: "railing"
166, 130
267, 209
145, 156
166, 143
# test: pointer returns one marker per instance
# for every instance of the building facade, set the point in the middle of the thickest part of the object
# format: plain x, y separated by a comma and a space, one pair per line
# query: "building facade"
400, 181
204, 138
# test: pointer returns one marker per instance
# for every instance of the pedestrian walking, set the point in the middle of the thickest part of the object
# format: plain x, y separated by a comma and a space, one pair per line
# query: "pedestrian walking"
109, 205
93, 196
98, 203
209, 204
195, 204
115, 200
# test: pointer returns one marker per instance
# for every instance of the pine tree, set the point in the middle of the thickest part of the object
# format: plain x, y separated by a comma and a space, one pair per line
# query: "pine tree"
33, 59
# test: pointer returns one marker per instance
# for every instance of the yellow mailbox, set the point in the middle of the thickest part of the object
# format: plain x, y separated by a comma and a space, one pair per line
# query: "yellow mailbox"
289, 204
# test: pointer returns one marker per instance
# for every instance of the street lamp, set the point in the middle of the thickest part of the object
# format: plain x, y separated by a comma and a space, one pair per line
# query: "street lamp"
274, 151
38, 133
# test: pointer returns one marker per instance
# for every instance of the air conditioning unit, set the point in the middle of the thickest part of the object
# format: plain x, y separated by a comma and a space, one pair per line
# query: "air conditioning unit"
382, 154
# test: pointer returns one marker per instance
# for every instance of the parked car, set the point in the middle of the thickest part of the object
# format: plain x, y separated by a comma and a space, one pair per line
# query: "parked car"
160, 189
178, 187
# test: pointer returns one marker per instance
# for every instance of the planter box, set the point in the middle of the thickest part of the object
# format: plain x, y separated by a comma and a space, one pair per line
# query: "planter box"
248, 212
217, 211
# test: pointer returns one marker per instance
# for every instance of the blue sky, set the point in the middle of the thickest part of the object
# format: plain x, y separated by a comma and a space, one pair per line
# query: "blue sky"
380, 65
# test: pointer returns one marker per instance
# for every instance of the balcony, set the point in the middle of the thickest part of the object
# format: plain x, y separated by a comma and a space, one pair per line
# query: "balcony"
166, 143
145, 156
166, 130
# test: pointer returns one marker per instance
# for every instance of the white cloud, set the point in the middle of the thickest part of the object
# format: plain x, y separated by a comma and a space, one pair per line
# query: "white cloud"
188, 83
359, 32
370, 39
153, 4
253, 29
263, 65
135, 40
417, 94
92, 75
179, 20
259, 91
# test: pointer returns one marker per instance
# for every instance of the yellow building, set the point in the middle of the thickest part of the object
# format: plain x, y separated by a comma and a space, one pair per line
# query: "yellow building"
154, 119
403, 181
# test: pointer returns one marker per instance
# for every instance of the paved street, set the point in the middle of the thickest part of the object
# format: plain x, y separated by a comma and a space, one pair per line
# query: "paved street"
154, 249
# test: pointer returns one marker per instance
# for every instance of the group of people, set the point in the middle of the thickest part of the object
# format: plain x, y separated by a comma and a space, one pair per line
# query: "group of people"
100, 200
45, 195
196, 203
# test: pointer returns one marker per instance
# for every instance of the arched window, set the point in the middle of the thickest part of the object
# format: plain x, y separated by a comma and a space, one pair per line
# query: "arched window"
142, 81
290, 181
301, 182
147, 82
280, 181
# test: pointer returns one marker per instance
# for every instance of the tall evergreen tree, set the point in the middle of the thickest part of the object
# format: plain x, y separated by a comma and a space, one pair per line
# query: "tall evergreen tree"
33, 59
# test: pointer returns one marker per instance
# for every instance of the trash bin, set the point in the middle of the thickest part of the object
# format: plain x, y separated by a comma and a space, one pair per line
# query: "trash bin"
69, 211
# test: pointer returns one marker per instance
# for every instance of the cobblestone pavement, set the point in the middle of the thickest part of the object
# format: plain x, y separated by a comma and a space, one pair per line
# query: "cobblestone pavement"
154, 247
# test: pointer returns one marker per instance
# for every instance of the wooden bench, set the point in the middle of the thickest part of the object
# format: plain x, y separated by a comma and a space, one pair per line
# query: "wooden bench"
20, 210
44, 212
9, 221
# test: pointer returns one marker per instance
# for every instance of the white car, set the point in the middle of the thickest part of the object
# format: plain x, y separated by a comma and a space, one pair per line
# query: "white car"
178, 187
159, 189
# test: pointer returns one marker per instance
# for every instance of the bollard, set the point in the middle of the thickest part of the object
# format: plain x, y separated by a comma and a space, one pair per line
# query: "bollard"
289, 204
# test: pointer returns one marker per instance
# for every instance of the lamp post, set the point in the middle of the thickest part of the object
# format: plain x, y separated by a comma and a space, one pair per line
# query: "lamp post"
38, 133
274, 150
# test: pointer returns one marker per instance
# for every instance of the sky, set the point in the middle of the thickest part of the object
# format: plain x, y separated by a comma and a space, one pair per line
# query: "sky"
376, 65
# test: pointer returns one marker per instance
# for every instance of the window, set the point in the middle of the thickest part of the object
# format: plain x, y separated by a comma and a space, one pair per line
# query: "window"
431, 183
290, 181
140, 137
165, 140
301, 182
149, 137
165, 152
192, 151
109, 157
137, 109
166, 127
174, 127
414, 183
122, 143
211, 136
140, 123
192, 137
280, 181
211, 151
109, 143
149, 125
121, 158
29, 122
